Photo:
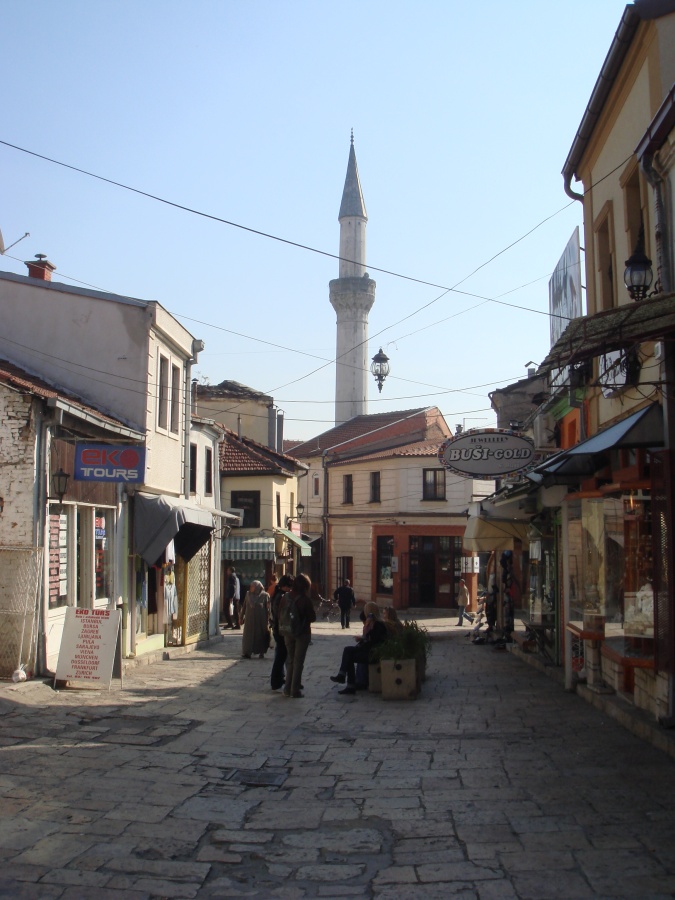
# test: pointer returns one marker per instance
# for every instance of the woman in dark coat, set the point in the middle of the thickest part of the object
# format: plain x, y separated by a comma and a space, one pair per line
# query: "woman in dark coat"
298, 636
277, 676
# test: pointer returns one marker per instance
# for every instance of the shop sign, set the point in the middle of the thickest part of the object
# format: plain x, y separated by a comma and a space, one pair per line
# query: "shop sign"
110, 462
88, 645
487, 453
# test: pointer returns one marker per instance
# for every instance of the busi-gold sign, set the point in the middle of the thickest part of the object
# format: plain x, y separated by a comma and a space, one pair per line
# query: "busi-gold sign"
487, 453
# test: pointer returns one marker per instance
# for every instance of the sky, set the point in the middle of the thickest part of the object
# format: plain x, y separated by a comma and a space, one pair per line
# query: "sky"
240, 112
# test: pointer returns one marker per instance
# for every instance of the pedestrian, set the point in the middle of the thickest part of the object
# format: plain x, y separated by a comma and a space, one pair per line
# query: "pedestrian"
284, 585
374, 633
256, 621
391, 621
272, 586
232, 594
296, 614
463, 600
346, 600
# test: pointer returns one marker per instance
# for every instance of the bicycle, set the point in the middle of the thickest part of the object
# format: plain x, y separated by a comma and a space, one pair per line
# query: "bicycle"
327, 610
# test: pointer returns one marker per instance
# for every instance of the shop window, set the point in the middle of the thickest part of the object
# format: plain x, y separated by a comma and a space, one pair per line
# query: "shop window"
249, 501
611, 569
193, 468
175, 398
347, 489
633, 212
208, 471
374, 487
433, 484
103, 553
384, 549
163, 393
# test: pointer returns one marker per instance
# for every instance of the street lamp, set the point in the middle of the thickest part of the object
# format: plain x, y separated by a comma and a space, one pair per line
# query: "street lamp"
638, 273
380, 368
59, 484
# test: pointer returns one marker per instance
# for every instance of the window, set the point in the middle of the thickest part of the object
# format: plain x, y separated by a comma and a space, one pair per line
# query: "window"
385, 580
175, 399
315, 485
347, 489
604, 236
278, 510
374, 487
208, 471
163, 397
193, 468
434, 484
249, 501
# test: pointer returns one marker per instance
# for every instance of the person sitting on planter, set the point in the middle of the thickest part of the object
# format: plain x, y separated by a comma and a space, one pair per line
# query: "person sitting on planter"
374, 633
391, 621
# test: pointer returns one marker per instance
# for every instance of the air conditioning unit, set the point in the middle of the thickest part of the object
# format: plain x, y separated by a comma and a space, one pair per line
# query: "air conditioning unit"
235, 511
544, 432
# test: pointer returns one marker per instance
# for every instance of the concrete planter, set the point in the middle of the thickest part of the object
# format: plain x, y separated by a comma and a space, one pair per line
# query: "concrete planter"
375, 678
399, 679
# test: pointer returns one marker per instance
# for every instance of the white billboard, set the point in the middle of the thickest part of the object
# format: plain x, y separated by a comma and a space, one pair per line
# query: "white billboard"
564, 288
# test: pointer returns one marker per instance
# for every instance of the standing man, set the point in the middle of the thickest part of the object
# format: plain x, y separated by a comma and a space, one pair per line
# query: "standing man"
463, 600
345, 600
232, 599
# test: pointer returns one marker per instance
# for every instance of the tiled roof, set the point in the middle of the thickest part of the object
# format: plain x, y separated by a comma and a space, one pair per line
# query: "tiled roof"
419, 449
18, 378
363, 431
242, 455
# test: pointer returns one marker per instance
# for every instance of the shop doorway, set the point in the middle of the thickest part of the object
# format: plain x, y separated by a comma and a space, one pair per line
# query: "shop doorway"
431, 565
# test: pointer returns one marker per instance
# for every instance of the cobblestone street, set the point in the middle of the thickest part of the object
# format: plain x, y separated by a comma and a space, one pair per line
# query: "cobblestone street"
197, 780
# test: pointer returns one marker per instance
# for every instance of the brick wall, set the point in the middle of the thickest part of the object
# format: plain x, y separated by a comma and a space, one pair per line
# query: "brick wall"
17, 468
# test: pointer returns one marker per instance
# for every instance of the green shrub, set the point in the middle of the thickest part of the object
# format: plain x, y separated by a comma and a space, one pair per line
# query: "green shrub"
411, 641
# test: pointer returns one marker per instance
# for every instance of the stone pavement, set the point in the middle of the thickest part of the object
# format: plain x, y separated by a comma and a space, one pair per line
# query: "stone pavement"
197, 780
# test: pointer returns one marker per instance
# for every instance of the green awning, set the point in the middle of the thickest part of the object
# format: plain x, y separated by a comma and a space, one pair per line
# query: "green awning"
252, 547
305, 549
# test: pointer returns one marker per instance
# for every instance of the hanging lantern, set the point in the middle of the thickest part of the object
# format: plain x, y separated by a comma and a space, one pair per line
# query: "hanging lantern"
638, 273
380, 368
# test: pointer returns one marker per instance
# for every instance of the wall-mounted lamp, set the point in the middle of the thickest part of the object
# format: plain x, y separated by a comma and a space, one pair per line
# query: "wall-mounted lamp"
380, 368
638, 272
59, 485
300, 509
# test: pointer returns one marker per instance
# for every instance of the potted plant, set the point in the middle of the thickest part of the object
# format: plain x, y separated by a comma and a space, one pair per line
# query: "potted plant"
402, 661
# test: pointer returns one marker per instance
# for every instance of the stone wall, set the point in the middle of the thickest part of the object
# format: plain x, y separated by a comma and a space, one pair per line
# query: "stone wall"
17, 468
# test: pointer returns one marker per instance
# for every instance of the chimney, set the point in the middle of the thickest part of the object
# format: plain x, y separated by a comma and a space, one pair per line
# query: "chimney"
42, 269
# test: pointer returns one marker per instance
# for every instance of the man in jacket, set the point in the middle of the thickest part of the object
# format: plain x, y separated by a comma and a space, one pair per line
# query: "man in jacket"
232, 595
345, 600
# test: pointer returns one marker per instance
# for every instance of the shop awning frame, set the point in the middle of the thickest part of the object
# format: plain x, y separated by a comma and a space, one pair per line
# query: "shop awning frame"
643, 429
484, 534
252, 546
305, 549
159, 519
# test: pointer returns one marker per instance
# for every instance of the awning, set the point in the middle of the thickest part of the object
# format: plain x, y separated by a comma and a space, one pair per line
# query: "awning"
305, 549
252, 547
484, 534
641, 429
159, 519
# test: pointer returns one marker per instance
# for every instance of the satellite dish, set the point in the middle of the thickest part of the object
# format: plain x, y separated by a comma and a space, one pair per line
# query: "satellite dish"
2, 244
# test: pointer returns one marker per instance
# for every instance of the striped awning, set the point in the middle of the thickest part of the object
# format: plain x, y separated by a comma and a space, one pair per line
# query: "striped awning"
255, 547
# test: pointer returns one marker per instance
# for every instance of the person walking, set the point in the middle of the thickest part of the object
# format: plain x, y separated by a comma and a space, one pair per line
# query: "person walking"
284, 585
463, 600
296, 614
256, 622
346, 600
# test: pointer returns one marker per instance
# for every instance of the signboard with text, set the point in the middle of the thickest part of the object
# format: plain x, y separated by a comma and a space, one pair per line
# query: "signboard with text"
487, 453
87, 651
110, 462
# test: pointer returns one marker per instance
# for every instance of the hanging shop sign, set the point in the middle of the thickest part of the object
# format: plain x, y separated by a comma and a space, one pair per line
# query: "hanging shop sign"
487, 453
110, 462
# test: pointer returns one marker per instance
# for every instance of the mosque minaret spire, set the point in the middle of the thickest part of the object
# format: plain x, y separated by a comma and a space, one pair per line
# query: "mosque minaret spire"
352, 295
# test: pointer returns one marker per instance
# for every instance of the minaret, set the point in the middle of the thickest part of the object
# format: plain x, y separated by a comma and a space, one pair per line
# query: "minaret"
352, 295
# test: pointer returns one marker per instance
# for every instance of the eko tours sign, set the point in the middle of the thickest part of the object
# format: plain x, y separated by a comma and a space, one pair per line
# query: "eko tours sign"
487, 453
110, 462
